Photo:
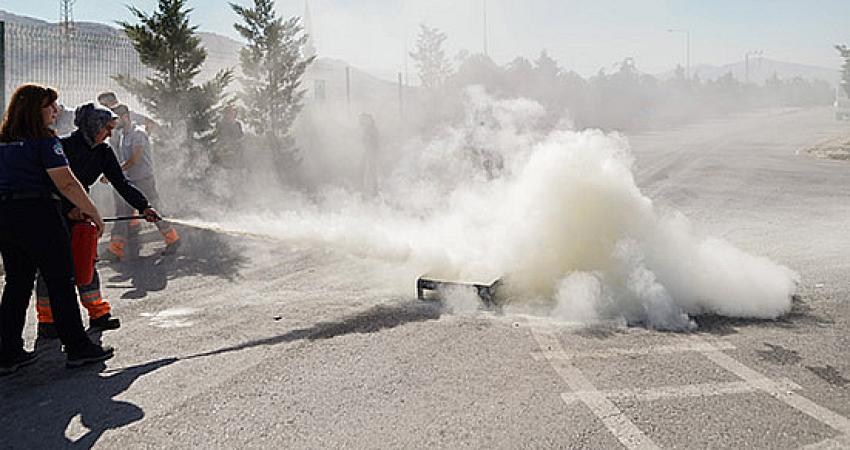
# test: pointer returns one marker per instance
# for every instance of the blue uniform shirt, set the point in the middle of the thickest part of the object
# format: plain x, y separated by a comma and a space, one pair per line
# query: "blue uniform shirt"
24, 164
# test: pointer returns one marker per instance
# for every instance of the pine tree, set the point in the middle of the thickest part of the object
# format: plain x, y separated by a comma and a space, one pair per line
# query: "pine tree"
845, 68
273, 65
168, 44
430, 57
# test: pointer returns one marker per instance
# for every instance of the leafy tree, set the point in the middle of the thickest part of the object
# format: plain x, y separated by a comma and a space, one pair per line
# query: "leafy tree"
519, 75
845, 68
478, 69
430, 58
546, 66
273, 64
521, 67
168, 44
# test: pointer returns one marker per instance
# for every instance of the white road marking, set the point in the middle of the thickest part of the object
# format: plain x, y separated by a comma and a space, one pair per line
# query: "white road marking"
792, 399
171, 318
688, 390
599, 402
648, 350
617, 423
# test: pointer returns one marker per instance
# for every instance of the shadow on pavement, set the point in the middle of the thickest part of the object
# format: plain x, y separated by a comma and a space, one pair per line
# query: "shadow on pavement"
373, 320
43, 407
801, 314
201, 252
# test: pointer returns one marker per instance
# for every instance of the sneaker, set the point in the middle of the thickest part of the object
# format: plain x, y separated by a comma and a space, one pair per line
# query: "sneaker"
47, 331
89, 354
23, 358
105, 322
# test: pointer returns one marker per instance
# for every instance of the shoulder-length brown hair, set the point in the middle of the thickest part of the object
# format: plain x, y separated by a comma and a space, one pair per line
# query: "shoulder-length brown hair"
23, 119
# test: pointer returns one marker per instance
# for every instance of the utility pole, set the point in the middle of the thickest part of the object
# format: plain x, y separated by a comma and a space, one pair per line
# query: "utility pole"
400, 96
747, 63
406, 72
687, 34
406, 24
484, 10
309, 48
348, 89
66, 16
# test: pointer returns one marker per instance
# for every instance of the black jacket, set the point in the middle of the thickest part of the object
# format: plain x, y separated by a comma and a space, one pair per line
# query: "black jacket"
88, 164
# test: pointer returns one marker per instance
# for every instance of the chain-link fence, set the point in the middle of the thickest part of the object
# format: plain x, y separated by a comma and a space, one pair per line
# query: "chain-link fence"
79, 64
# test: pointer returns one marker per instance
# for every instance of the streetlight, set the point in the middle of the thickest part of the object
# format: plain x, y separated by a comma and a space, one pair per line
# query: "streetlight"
687, 34
747, 63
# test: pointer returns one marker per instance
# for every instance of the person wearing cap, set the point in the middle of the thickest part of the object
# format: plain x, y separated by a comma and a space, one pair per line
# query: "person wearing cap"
33, 235
137, 161
89, 157
109, 100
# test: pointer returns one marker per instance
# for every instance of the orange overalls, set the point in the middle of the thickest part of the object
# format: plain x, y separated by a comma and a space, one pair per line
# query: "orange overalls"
90, 297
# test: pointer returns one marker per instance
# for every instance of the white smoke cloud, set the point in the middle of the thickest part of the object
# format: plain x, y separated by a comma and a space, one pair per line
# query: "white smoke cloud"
555, 213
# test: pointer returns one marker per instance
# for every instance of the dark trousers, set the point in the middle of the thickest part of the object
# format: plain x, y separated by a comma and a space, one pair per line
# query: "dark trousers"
33, 237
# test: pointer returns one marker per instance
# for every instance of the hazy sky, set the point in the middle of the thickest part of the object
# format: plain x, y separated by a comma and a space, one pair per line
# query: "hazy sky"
584, 35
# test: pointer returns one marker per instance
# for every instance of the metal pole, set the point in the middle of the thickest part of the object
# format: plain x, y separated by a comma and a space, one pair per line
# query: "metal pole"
687, 50
486, 50
2, 66
348, 89
688, 55
400, 96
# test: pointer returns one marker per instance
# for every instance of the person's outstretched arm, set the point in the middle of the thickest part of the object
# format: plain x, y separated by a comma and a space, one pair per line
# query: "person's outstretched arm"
71, 189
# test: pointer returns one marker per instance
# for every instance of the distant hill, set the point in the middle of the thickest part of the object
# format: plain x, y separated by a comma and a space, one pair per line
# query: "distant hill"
88, 27
223, 52
762, 69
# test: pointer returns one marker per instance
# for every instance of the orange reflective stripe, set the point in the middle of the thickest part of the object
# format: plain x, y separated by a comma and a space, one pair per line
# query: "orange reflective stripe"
97, 309
45, 315
171, 236
90, 295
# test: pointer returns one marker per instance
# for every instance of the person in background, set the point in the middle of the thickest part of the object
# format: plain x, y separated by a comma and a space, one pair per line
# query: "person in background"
109, 100
134, 151
33, 234
90, 157
64, 122
228, 137
371, 151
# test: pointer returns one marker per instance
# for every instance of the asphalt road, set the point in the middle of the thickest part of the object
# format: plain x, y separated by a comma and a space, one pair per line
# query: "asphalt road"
245, 343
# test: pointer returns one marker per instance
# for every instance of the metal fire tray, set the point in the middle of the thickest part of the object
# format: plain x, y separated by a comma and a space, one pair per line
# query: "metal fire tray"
428, 288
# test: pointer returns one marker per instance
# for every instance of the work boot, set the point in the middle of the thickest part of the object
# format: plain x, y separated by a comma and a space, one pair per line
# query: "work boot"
47, 331
11, 364
105, 322
89, 354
